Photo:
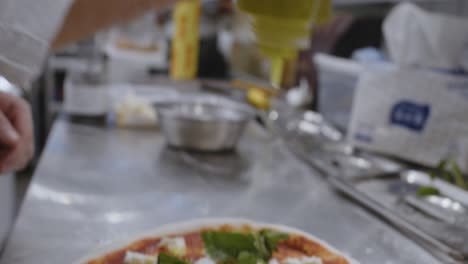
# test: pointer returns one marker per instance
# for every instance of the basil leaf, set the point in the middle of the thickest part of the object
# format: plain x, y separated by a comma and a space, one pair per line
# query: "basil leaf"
272, 238
262, 249
427, 191
242, 248
167, 259
247, 258
449, 171
457, 175
441, 166
227, 246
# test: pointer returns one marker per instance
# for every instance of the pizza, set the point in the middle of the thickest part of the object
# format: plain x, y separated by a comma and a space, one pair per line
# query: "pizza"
222, 242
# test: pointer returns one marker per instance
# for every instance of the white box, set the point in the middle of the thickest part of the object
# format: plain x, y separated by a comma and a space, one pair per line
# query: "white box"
417, 115
337, 82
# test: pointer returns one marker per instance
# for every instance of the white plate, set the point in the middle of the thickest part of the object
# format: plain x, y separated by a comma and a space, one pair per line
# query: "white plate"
197, 224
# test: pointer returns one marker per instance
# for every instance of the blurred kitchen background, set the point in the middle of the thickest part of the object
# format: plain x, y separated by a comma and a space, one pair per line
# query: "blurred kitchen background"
141, 49
140, 52
390, 51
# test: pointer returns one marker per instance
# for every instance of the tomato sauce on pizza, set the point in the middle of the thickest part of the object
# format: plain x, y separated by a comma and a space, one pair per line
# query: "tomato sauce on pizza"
224, 245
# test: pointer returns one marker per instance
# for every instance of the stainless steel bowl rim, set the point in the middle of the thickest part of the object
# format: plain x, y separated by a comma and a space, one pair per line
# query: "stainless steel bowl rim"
244, 111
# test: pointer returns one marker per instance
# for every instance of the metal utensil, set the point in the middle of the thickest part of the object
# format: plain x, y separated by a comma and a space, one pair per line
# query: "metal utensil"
316, 141
439, 206
203, 122
404, 225
447, 203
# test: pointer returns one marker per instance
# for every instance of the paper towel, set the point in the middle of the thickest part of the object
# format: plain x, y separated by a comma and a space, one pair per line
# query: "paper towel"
415, 37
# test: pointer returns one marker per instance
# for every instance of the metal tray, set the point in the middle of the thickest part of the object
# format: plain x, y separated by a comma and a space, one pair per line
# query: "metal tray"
440, 223
386, 187
317, 142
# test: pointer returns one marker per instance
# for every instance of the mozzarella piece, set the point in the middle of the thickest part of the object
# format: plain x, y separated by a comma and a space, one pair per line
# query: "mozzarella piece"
175, 245
303, 260
291, 261
205, 260
311, 260
273, 261
138, 258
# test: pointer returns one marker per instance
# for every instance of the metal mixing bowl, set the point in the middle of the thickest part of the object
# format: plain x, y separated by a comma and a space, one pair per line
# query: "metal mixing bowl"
203, 123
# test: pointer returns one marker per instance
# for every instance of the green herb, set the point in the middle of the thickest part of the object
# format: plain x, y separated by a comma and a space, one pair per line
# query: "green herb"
272, 238
439, 169
242, 248
247, 258
427, 191
457, 175
449, 171
227, 246
167, 259
261, 247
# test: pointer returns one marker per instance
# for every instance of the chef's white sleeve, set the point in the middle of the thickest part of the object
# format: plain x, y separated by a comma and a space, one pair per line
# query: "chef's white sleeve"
27, 28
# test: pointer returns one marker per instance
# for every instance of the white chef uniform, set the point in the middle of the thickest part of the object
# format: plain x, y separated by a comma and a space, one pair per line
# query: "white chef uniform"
27, 28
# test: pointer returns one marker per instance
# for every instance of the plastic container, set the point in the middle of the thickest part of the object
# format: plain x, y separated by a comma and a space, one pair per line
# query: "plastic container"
186, 40
86, 95
283, 27
337, 83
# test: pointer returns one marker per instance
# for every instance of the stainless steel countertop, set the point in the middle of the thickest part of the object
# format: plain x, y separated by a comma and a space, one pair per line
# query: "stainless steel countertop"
95, 184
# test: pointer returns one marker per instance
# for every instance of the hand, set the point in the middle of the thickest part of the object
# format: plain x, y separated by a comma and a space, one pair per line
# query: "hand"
16, 133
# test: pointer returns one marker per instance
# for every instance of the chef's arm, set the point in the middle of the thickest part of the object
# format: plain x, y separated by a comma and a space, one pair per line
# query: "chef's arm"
86, 17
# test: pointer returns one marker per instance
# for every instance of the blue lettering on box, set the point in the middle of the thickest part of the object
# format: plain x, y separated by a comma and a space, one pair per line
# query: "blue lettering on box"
363, 137
410, 115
